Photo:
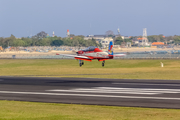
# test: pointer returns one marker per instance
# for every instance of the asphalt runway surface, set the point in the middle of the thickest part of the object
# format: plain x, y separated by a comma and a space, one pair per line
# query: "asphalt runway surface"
93, 91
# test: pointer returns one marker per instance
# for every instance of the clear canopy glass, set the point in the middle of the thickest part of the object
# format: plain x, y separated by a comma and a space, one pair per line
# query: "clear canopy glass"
90, 48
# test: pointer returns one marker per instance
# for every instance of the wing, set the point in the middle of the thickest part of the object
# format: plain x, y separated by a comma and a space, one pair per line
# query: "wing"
116, 55
119, 55
76, 57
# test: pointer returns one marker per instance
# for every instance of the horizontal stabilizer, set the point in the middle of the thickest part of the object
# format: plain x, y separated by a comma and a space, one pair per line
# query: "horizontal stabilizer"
119, 55
75, 56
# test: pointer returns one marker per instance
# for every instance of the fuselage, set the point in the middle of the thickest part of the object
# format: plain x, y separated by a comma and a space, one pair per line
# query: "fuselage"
94, 53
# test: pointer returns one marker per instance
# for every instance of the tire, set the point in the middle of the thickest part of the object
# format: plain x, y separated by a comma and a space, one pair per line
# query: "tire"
80, 64
102, 64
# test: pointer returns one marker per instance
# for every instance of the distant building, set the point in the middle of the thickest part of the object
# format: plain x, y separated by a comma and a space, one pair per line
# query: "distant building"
140, 42
53, 34
68, 33
157, 44
96, 37
128, 44
1, 48
103, 39
123, 37
47, 36
105, 42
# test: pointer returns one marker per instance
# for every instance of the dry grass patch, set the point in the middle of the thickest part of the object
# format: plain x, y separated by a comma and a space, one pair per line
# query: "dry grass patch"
48, 111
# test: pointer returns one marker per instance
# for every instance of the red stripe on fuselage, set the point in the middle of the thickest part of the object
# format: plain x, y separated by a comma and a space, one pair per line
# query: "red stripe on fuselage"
97, 50
96, 57
83, 59
102, 59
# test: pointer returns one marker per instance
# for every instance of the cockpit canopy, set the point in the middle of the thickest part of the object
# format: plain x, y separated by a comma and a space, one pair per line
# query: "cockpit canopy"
90, 48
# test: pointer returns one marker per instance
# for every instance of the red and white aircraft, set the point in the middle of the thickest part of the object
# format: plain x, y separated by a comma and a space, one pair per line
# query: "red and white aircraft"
92, 53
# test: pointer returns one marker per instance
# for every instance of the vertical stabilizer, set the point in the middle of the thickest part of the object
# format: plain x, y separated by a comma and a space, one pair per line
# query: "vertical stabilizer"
110, 49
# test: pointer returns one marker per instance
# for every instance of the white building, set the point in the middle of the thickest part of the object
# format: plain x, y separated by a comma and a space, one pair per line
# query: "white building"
96, 37
103, 39
105, 42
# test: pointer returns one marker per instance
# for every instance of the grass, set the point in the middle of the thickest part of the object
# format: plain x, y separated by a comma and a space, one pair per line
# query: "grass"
128, 69
14, 110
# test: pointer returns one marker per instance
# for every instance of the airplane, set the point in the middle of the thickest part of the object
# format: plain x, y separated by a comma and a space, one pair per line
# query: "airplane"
92, 53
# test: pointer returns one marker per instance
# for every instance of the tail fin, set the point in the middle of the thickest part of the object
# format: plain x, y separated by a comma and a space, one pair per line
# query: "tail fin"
110, 50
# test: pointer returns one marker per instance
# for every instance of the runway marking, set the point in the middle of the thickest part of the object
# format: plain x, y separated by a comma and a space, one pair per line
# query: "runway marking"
144, 91
88, 95
125, 92
147, 84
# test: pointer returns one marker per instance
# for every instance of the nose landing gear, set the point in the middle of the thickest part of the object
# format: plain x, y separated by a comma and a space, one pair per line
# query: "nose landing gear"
103, 63
81, 62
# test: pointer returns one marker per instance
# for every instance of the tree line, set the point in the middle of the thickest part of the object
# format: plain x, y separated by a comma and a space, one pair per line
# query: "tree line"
42, 39
46, 41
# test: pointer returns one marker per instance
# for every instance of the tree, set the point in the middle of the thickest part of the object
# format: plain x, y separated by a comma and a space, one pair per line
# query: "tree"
82, 36
18, 42
94, 42
71, 35
177, 39
118, 41
43, 42
28, 41
109, 33
12, 37
151, 38
57, 43
127, 40
42, 34
67, 41
75, 43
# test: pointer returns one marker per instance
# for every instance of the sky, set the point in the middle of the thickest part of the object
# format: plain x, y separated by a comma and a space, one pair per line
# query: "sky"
23, 18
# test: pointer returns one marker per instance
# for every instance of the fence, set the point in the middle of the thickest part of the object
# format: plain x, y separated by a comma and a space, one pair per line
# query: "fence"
151, 56
27, 56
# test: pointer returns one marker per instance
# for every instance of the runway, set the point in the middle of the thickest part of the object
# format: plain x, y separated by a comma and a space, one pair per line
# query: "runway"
92, 91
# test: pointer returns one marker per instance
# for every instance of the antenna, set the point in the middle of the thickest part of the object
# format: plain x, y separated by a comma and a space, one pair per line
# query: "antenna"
144, 40
68, 33
118, 31
53, 34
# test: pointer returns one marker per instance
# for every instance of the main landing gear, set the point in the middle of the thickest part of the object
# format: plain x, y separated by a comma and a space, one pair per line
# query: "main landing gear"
81, 62
103, 63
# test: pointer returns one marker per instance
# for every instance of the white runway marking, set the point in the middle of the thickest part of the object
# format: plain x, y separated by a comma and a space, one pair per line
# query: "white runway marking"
147, 84
88, 95
125, 92
144, 91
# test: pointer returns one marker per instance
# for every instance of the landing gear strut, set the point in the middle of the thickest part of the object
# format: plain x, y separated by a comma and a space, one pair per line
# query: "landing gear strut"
81, 62
103, 63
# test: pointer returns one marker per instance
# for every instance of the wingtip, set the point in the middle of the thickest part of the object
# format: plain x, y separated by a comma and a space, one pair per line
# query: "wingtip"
57, 54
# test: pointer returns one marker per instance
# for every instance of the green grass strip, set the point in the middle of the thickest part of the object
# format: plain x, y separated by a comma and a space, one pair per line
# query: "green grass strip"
15, 110
128, 69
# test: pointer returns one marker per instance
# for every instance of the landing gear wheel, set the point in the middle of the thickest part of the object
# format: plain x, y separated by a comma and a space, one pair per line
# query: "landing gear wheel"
102, 64
80, 64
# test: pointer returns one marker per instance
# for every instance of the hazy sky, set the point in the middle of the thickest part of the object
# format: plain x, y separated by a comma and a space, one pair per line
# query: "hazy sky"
83, 17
